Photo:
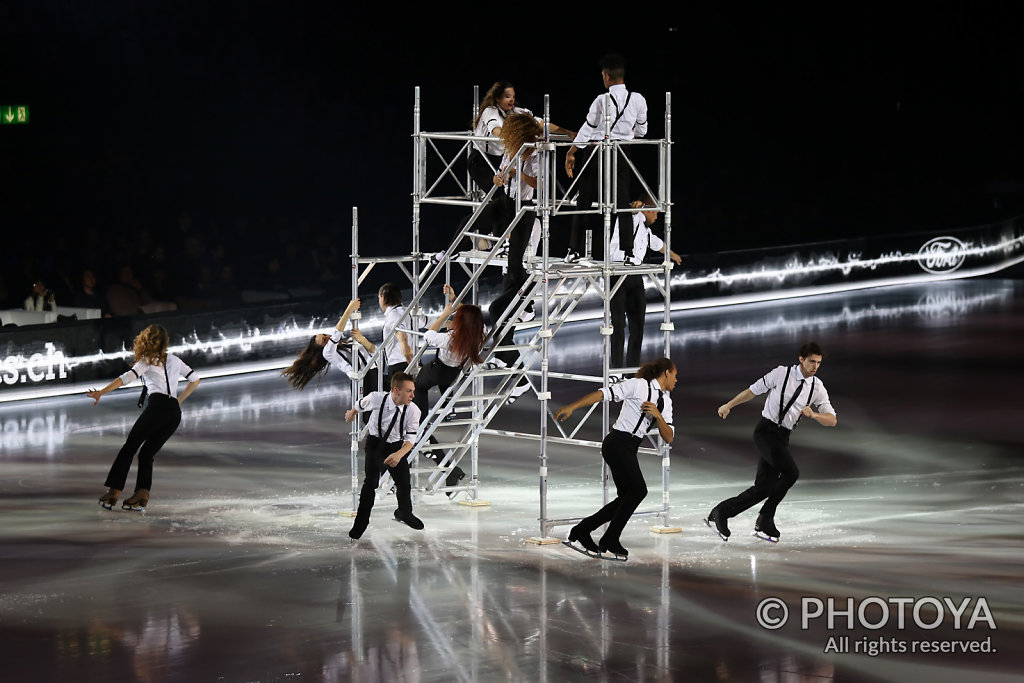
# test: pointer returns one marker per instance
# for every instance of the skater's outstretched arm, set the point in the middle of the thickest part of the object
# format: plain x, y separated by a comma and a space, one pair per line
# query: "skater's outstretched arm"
97, 395
742, 397
590, 399
824, 419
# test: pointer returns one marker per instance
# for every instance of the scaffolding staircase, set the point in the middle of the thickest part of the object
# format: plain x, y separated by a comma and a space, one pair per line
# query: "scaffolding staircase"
452, 428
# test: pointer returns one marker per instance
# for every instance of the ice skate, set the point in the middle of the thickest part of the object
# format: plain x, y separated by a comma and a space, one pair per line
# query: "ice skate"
454, 477
517, 391
109, 499
613, 546
578, 535
138, 501
764, 528
408, 519
719, 522
358, 527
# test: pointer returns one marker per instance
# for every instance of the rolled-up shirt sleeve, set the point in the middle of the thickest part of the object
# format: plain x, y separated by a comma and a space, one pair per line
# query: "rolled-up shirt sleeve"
187, 373
770, 380
134, 373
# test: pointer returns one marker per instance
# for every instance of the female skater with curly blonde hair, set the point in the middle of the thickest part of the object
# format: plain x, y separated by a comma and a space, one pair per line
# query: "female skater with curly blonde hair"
155, 367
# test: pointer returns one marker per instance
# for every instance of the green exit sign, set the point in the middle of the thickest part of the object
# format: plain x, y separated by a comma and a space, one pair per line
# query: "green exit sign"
13, 114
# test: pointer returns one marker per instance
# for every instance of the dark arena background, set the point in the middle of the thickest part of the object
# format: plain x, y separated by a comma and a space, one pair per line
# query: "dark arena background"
846, 175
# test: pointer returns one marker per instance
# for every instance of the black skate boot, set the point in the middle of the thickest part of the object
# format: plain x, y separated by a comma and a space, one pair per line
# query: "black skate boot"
764, 528
408, 519
578, 535
453, 479
720, 522
358, 527
613, 546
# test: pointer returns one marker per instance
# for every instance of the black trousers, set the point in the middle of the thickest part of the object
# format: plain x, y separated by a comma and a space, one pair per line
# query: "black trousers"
619, 450
376, 451
629, 303
482, 173
497, 307
776, 473
437, 374
392, 369
155, 425
588, 185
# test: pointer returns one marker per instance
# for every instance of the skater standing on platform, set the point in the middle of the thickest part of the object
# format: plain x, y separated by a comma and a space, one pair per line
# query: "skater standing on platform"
630, 300
485, 158
793, 392
159, 372
628, 120
646, 402
393, 425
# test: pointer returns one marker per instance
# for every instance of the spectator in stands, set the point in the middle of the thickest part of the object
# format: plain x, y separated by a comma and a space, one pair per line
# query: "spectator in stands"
88, 296
40, 298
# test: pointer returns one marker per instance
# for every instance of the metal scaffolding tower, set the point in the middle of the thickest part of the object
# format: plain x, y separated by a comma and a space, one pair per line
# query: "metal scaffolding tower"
555, 288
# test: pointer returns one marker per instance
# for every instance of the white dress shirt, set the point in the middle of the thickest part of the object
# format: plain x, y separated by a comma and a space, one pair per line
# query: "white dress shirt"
443, 342
812, 392
633, 393
628, 112
382, 406
515, 184
334, 356
643, 239
494, 117
160, 379
392, 351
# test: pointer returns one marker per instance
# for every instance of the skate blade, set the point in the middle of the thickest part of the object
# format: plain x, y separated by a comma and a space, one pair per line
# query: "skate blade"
597, 556
134, 508
106, 506
711, 525
765, 537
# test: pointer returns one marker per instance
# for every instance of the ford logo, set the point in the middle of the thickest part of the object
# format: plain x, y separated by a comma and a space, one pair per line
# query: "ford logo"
942, 255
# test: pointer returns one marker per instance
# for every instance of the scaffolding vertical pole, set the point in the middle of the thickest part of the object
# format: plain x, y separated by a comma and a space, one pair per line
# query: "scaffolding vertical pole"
606, 325
472, 144
356, 382
666, 325
419, 185
545, 183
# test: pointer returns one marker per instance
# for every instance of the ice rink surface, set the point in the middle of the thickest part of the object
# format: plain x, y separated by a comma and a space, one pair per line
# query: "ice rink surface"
900, 557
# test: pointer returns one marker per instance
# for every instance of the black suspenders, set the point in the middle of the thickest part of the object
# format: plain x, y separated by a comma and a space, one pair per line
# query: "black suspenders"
661, 406
401, 423
782, 390
145, 389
